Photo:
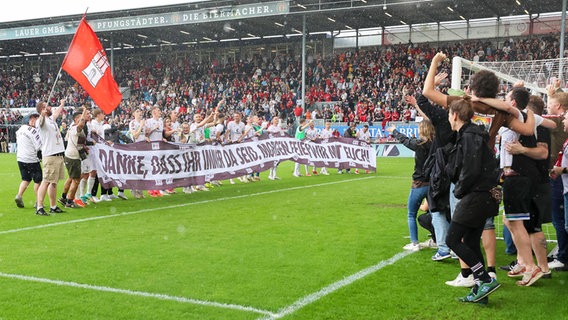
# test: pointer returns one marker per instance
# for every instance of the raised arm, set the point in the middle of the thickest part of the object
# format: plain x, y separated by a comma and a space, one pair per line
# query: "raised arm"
57, 111
429, 90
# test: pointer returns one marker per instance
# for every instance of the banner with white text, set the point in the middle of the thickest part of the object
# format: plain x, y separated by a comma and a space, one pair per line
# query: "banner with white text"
160, 165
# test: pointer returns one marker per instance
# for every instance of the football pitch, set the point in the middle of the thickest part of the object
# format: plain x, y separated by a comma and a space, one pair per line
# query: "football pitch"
320, 247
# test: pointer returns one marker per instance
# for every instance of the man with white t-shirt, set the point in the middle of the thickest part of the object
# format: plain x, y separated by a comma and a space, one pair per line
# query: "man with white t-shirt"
52, 150
326, 133
311, 134
234, 134
274, 128
29, 143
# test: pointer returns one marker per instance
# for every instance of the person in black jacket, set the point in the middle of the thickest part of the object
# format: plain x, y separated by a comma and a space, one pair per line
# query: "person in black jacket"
473, 169
421, 147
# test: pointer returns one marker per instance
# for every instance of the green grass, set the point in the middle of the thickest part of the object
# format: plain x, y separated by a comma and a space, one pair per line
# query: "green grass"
263, 245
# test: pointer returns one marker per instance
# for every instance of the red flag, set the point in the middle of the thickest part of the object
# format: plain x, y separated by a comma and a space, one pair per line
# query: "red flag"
87, 63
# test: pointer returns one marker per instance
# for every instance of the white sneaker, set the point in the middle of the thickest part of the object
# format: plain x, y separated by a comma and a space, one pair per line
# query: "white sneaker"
460, 281
428, 244
297, 175
94, 199
187, 190
122, 196
555, 264
105, 197
232, 181
412, 247
112, 196
164, 193
270, 178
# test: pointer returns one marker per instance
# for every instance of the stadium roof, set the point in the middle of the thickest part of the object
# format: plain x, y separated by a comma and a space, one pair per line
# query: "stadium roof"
321, 16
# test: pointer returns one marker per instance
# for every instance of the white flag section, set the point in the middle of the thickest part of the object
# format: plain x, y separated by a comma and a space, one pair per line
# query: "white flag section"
161, 165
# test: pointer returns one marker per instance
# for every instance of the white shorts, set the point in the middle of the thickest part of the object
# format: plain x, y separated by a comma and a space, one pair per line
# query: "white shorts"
86, 166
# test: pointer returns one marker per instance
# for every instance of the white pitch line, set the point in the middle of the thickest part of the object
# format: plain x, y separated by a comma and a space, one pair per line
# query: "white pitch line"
174, 206
138, 293
313, 297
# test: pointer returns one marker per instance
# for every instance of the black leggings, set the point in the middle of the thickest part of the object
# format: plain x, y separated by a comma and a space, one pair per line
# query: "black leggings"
469, 250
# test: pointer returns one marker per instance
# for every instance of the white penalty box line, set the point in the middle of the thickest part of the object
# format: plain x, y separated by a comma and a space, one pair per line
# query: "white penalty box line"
177, 206
265, 314
138, 293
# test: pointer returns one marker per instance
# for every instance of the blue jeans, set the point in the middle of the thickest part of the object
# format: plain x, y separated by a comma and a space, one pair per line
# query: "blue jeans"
441, 226
414, 200
559, 205
508, 239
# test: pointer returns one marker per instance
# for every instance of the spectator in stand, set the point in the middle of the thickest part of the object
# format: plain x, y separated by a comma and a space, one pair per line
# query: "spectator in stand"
298, 111
4, 142
29, 147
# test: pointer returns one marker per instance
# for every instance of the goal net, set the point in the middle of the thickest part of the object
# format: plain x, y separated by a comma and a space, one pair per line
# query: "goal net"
536, 74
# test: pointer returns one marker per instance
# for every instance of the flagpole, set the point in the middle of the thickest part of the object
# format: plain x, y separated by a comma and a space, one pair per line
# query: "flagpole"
54, 83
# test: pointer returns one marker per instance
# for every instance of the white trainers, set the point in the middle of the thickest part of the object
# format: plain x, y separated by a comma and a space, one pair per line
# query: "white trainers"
112, 196
412, 246
122, 196
105, 197
187, 190
429, 244
555, 264
460, 281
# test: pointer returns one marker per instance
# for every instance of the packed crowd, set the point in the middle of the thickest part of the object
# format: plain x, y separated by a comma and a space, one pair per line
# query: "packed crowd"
367, 85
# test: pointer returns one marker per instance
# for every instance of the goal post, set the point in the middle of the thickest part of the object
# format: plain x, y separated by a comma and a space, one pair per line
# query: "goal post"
536, 74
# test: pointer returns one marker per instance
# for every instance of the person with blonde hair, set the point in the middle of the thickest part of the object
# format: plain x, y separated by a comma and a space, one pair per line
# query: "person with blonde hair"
419, 190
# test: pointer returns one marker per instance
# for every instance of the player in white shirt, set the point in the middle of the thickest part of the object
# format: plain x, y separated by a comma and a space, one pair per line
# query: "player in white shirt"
311, 134
175, 125
274, 127
155, 126
326, 133
137, 132
197, 135
29, 143
235, 132
136, 127
235, 129
363, 135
